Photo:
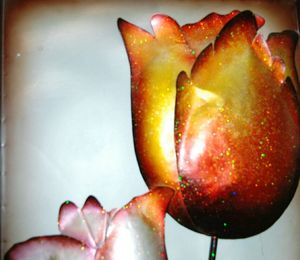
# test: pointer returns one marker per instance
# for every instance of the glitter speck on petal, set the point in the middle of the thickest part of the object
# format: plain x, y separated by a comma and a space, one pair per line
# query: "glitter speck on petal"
234, 121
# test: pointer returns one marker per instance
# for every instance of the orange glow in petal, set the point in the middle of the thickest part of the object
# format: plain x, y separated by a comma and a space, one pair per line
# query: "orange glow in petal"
284, 45
235, 117
234, 130
200, 34
276, 64
154, 68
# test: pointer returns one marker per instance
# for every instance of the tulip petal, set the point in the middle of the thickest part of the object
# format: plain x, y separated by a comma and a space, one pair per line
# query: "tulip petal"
276, 64
96, 218
50, 247
200, 34
195, 109
87, 225
137, 42
137, 230
166, 30
230, 83
155, 64
284, 46
234, 122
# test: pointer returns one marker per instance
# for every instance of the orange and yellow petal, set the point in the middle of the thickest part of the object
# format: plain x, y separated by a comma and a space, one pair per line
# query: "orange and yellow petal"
199, 35
235, 121
284, 46
155, 64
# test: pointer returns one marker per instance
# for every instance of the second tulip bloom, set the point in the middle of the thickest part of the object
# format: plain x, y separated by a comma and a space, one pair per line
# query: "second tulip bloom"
216, 117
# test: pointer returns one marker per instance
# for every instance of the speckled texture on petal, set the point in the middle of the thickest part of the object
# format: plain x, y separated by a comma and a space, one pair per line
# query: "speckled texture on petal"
199, 35
284, 46
155, 63
233, 129
234, 108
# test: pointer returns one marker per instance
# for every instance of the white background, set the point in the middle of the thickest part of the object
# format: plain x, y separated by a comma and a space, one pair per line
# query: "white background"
67, 120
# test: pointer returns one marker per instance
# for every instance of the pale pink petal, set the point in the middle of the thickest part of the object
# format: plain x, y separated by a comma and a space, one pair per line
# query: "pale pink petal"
72, 223
50, 248
96, 219
137, 230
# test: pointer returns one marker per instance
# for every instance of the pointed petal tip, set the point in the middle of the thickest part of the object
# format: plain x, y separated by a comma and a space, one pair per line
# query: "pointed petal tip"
260, 21
92, 204
67, 206
248, 17
91, 200
182, 77
166, 29
158, 18
121, 22
66, 209
125, 27
242, 27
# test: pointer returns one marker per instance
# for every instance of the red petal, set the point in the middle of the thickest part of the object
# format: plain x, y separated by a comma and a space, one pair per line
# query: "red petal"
200, 34
260, 21
275, 64
262, 50
236, 121
284, 46
137, 230
241, 29
51, 247
155, 64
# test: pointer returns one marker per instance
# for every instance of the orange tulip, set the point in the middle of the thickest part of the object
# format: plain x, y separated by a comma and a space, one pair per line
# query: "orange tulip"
216, 117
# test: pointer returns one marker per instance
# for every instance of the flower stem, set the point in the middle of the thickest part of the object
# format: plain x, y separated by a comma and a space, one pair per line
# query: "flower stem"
213, 248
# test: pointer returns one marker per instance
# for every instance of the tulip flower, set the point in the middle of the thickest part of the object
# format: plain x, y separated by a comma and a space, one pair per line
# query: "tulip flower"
135, 231
216, 117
